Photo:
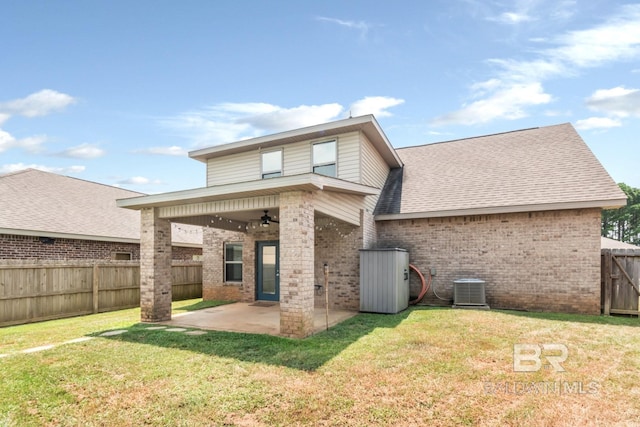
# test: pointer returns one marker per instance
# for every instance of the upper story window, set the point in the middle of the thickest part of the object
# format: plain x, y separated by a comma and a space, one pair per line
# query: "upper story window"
324, 158
271, 164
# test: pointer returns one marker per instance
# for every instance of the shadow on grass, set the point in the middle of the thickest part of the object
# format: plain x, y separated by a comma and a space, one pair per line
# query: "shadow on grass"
305, 354
200, 305
580, 318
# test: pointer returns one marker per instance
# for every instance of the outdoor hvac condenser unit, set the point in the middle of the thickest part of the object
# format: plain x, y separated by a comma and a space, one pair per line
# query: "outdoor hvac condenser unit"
384, 280
469, 293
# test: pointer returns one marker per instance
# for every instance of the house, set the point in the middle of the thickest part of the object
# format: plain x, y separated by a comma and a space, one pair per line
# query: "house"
607, 243
519, 210
46, 216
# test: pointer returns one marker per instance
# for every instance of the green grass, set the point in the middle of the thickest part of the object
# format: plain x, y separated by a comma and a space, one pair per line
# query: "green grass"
423, 366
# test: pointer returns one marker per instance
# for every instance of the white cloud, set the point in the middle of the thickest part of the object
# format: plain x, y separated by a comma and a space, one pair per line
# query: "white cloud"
597, 123
229, 122
41, 103
512, 18
15, 167
361, 26
436, 133
617, 39
557, 113
376, 105
509, 101
280, 119
527, 71
174, 150
206, 128
6, 140
83, 151
521, 11
138, 180
32, 144
618, 101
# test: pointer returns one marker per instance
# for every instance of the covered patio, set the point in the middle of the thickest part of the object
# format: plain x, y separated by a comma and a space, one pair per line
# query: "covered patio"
299, 209
253, 318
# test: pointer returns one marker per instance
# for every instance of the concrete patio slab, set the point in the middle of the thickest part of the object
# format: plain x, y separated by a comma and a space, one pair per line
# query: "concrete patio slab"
255, 318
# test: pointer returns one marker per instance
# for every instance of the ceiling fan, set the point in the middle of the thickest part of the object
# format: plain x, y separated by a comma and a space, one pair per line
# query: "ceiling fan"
266, 219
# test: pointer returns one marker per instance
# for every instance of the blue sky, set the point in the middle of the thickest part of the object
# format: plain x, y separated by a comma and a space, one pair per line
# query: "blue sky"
119, 91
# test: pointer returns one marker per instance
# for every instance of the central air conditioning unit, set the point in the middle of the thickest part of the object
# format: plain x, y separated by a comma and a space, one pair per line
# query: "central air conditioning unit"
469, 293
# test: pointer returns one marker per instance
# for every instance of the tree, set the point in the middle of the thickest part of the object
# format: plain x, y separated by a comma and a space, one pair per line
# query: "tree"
624, 224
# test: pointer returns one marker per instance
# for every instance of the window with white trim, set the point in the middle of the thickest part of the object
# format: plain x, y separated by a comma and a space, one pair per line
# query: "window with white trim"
233, 262
324, 158
271, 164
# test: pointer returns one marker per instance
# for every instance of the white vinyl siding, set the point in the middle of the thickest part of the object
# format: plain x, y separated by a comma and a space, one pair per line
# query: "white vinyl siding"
374, 170
219, 207
345, 207
297, 159
233, 168
349, 157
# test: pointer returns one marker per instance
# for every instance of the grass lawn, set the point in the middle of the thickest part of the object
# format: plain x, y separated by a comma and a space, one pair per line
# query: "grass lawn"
419, 367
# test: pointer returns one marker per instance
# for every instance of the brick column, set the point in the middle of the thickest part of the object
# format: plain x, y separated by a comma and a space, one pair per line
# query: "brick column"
212, 263
155, 267
296, 264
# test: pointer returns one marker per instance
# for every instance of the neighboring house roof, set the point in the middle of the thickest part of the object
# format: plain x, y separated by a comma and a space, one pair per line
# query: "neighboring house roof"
46, 204
606, 243
546, 168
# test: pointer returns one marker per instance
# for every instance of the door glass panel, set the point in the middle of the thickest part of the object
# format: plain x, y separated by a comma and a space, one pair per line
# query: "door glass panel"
269, 270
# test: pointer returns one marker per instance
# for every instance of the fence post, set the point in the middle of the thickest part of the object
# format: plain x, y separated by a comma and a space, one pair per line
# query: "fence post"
96, 288
607, 282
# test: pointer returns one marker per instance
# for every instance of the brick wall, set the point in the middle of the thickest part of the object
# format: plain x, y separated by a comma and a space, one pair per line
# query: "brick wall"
337, 244
213, 285
541, 261
30, 247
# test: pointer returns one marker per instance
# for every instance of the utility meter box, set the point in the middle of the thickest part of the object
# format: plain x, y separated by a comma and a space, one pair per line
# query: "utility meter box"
384, 280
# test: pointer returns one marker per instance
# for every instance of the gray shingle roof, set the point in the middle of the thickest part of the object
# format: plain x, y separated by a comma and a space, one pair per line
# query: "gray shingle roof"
533, 169
36, 201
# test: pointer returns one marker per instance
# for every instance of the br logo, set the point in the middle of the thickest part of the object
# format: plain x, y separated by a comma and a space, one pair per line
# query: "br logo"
529, 357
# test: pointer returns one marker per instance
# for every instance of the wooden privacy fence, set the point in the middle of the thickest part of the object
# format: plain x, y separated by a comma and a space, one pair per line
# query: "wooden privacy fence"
620, 281
44, 290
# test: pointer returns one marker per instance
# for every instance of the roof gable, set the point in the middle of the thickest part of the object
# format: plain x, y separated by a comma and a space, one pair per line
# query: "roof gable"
533, 169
